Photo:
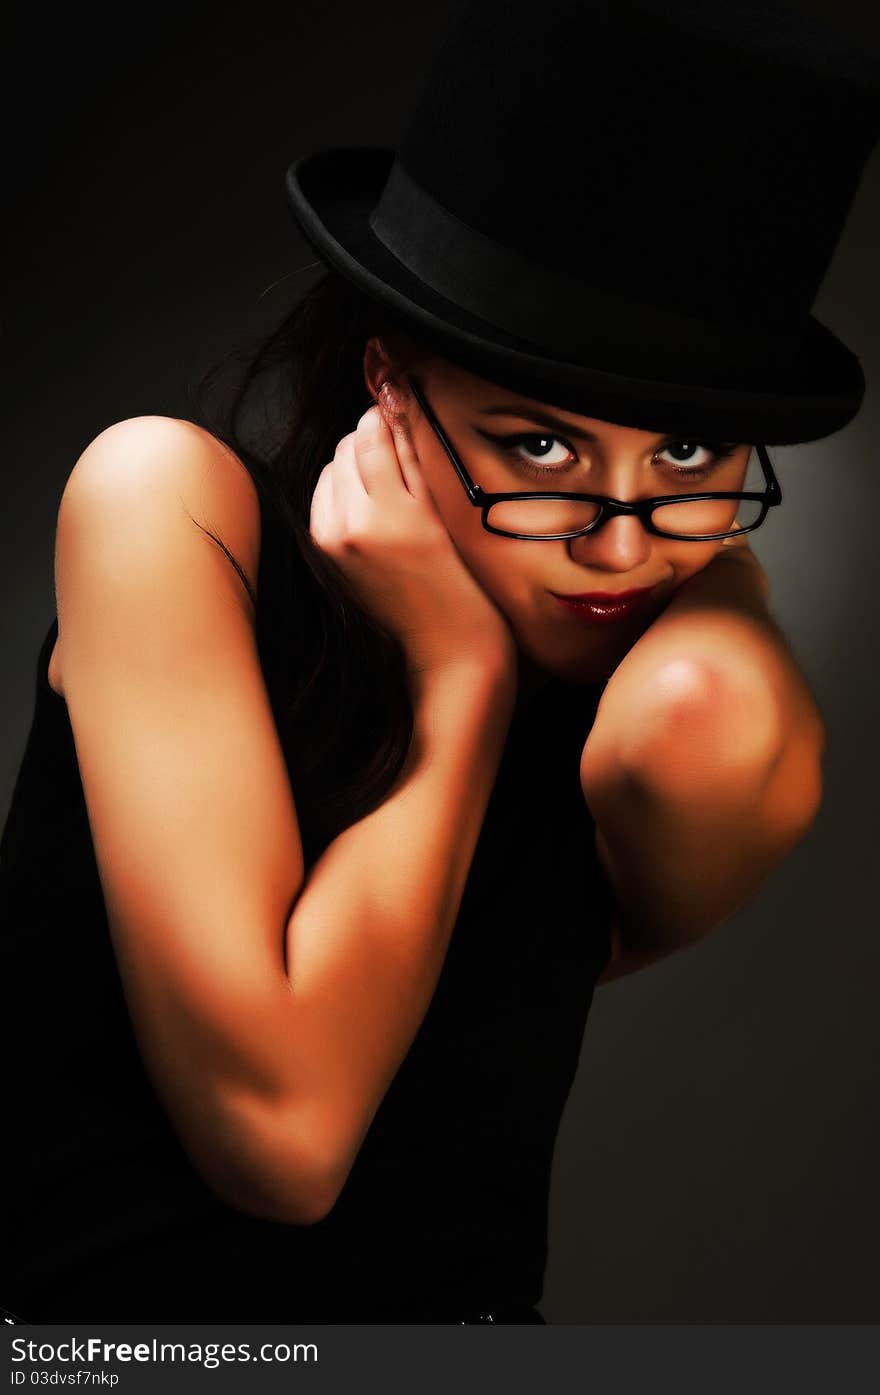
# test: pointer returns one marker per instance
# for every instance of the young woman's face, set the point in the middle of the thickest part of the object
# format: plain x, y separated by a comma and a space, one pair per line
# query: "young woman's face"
583, 454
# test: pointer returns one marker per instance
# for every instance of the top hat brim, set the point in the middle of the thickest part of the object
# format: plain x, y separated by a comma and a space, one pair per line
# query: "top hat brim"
332, 194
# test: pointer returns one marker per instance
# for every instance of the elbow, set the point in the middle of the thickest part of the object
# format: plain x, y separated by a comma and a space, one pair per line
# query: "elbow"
270, 1165
281, 1200
286, 1200
703, 731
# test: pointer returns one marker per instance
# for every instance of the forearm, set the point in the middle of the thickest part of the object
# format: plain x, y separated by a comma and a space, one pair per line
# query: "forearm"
682, 862
370, 930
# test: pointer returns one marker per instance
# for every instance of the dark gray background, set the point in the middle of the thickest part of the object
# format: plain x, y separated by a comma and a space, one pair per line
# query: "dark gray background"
719, 1156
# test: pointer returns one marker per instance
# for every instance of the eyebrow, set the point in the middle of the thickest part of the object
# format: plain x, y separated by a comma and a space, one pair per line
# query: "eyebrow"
541, 418
544, 418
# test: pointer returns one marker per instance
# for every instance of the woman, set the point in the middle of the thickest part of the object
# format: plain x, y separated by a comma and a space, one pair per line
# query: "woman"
322, 997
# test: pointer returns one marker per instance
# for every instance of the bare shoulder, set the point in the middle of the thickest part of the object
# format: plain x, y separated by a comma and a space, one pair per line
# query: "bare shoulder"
147, 457
149, 484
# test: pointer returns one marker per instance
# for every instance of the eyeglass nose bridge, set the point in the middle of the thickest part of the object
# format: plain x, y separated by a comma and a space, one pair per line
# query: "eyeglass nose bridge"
615, 508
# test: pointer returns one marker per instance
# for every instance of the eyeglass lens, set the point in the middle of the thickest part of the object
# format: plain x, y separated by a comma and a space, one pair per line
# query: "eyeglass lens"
695, 518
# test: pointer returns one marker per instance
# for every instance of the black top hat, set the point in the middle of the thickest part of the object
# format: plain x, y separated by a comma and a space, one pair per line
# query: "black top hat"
623, 207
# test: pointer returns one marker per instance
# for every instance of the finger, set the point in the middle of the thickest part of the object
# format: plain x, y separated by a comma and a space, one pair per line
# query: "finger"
348, 485
377, 457
401, 433
322, 508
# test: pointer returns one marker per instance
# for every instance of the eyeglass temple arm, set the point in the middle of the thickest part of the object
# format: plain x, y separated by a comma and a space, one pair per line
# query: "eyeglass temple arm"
774, 489
475, 491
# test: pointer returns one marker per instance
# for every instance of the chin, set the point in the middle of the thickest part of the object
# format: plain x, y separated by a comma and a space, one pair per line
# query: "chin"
579, 652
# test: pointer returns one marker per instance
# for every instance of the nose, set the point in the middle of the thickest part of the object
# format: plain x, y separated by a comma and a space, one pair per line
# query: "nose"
619, 546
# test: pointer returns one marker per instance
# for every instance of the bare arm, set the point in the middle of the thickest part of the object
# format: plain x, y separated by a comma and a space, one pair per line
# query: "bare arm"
269, 1080
703, 768
369, 933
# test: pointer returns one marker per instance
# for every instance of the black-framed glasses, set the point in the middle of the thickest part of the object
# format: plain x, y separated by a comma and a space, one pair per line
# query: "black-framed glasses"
539, 516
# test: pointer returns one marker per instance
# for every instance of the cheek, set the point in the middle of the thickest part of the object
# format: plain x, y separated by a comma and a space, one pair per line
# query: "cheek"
449, 496
499, 564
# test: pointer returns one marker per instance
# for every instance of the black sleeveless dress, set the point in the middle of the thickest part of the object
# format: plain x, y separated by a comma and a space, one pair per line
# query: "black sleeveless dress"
443, 1217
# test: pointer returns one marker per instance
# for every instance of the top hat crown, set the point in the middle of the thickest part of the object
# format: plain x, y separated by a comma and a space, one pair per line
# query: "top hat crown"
626, 208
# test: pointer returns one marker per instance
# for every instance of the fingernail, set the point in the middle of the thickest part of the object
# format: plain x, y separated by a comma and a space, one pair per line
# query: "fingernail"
391, 405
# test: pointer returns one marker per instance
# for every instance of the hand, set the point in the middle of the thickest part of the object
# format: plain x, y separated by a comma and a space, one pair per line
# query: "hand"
373, 514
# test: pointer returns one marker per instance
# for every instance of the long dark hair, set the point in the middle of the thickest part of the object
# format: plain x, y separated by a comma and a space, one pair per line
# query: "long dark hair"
337, 679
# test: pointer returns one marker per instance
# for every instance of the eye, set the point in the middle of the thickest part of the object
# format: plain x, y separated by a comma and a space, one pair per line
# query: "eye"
538, 452
694, 458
